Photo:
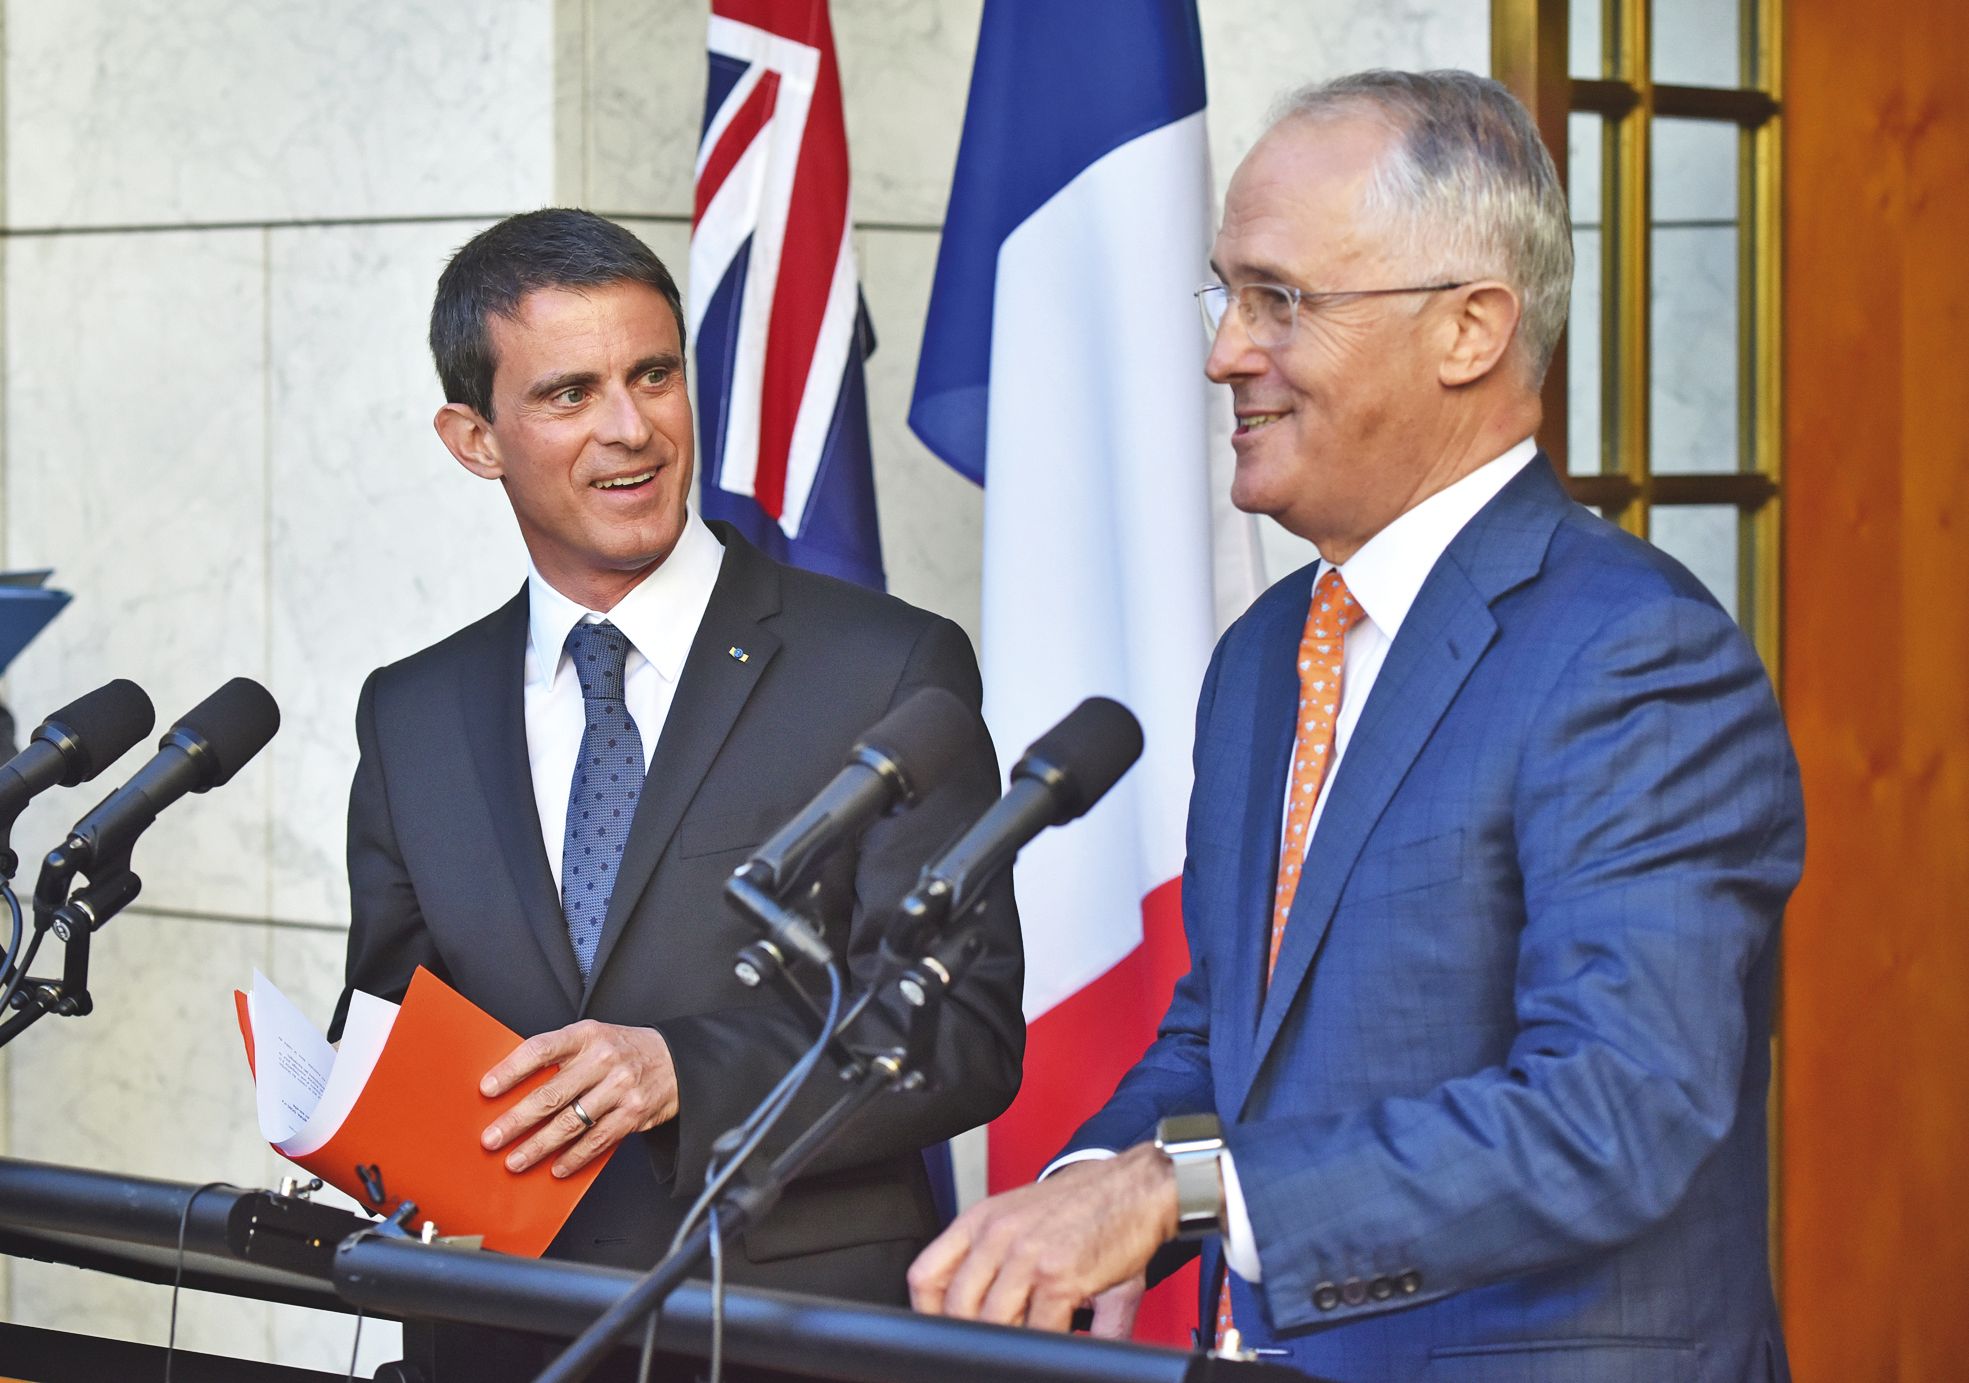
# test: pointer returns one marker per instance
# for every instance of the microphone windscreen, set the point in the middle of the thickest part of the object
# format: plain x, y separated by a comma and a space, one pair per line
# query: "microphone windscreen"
103, 724
922, 737
234, 723
1084, 755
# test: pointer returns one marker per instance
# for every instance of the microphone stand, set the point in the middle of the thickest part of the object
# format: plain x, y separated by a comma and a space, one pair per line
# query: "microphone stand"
921, 980
74, 917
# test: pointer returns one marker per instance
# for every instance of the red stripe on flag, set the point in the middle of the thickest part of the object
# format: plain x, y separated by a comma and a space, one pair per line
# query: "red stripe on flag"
732, 144
794, 21
816, 220
1076, 1052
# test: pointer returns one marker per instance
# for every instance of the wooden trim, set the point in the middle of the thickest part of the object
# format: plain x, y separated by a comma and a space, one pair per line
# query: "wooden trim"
1747, 108
1528, 51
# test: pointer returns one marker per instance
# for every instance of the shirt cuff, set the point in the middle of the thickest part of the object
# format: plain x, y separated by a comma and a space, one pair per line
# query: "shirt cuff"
1084, 1155
1240, 1244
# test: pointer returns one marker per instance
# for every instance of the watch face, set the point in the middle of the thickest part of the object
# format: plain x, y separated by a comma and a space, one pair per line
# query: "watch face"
1189, 1128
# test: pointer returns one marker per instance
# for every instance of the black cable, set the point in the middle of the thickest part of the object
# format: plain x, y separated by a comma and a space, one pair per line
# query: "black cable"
649, 1347
717, 1301
15, 974
178, 1278
355, 1348
718, 1175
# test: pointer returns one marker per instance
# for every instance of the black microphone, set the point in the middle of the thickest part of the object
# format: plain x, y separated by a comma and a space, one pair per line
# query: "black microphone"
901, 757
208, 745
1067, 770
71, 746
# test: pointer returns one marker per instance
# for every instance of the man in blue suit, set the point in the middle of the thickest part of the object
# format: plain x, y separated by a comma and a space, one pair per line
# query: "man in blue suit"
1467, 1079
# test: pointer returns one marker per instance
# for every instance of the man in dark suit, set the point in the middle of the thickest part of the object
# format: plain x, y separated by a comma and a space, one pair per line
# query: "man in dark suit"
1493, 823
549, 801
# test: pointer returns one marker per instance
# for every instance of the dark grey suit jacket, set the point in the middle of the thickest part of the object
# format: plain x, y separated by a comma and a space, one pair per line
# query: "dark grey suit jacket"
447, 870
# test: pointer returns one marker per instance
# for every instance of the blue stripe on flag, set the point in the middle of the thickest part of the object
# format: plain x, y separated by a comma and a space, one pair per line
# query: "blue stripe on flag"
839, 534
1054, 88
725, 72
716, 347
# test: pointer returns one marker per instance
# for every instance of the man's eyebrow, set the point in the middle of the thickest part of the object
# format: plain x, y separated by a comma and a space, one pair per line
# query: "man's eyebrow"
662, 360
549, 385
1255, 273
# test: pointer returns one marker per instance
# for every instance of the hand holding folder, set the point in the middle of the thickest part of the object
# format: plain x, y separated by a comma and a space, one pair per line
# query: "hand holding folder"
402, 1095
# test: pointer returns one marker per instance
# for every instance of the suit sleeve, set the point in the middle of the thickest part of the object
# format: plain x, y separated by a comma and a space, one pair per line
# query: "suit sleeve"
1659, 833
387, 936
1174, 1075
726, 1061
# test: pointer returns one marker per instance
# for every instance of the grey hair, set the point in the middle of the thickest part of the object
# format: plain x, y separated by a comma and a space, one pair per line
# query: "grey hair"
1466, 191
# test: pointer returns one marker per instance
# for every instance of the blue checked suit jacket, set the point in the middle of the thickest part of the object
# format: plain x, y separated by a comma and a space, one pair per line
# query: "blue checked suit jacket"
1499, 1115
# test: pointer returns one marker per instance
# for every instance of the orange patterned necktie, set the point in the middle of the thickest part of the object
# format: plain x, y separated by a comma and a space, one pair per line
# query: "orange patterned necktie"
1332, 613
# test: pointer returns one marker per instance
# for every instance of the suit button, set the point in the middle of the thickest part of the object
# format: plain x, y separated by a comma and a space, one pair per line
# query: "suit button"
1381, 1289
1410, 1282
1326, 1296
1354, 1292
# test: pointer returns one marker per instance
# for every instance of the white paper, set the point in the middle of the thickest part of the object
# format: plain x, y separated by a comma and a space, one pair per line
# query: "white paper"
304, 1088
291, 1061
364, 1032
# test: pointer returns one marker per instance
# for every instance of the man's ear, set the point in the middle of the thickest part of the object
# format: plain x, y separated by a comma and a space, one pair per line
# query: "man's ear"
1486, 321
468, 436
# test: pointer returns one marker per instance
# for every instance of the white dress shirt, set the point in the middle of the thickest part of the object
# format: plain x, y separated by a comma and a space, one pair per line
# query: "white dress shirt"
1384, 578
659, 618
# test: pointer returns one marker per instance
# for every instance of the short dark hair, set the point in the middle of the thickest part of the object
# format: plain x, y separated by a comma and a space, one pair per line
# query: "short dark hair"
558, 247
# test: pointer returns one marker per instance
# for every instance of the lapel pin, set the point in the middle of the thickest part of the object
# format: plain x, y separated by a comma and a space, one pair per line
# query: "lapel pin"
740, 654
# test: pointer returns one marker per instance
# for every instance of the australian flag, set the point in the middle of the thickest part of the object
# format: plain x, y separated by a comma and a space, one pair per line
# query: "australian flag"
777, 316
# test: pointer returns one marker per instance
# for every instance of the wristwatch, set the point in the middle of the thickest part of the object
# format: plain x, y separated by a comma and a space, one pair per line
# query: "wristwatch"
1194, 1145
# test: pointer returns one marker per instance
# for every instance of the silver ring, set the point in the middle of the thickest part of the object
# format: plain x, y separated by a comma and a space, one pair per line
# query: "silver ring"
581, 1114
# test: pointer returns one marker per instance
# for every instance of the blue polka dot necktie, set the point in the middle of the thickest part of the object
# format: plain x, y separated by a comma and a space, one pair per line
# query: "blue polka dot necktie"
608, 778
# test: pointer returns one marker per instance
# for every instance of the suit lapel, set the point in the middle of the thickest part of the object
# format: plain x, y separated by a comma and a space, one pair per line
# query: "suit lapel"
492, 694
713, 689
1445, 633
1271, 706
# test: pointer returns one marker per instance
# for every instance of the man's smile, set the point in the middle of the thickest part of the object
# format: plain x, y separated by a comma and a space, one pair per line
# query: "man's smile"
626, 482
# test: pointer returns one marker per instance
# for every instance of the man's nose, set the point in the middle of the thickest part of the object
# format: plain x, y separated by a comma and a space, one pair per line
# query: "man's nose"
622, 422
1232, 353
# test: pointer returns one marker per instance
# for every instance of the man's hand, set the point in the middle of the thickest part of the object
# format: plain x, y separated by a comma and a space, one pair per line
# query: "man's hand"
1031, 1256
623, 1078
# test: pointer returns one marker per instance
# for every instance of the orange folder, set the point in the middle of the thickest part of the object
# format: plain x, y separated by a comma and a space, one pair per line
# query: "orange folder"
418, 1119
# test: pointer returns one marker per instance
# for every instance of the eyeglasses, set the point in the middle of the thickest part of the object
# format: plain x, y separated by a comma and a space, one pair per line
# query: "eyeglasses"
1269, 311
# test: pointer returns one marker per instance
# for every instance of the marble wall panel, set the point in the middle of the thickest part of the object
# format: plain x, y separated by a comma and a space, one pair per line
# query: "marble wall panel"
153, 1083
379, 542
905, 71
932, 517
1257, 50
136, 468
1705, 538
905, 76
1697, 42
632, 105
1585, 439
51, 1296
1693, 383
124, 112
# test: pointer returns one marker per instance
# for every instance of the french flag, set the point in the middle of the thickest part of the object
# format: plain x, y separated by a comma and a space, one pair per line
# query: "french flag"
776, 312
1062, 368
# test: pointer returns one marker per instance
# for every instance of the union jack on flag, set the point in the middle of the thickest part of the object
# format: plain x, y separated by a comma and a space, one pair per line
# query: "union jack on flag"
775, 304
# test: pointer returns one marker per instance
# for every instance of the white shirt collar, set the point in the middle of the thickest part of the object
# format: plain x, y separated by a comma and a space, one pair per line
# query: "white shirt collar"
659, 616
1387, 573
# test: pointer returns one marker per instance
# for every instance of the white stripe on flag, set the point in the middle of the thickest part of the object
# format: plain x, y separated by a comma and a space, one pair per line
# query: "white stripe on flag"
721, 119
823, 385
768, 191
1098, 525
